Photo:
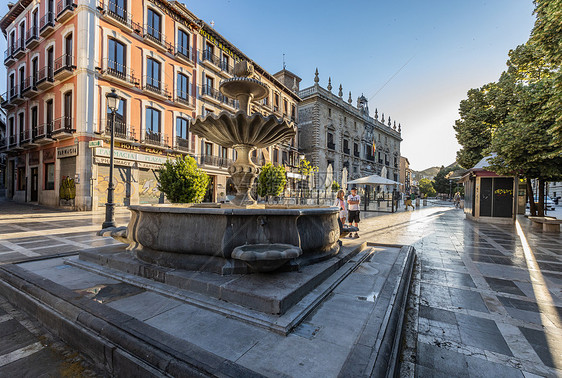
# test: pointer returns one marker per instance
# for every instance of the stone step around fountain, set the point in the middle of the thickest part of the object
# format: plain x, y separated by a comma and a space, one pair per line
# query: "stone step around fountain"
125, 336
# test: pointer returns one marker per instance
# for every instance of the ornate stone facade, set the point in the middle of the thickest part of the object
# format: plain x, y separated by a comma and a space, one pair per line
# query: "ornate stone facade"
334, 131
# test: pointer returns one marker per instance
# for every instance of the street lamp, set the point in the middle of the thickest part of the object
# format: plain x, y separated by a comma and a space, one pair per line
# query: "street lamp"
113, 105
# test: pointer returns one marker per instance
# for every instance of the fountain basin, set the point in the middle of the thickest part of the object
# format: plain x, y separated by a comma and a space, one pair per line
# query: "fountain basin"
266, 257
203, 238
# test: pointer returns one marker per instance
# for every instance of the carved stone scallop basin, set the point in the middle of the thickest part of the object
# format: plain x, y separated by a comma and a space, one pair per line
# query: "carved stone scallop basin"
266, 257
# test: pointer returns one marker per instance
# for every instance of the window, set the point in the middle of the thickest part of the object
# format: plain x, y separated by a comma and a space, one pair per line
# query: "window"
293, 111
331, 140
183, 87
224, 63
34, 70
345, 146
329, 112
49, 117
182, 128
183, 43
275, 156
116, 58
285, 107
224, 153
12, 41
50, 176
152, 121
22, 78
120, 124
68, 110
118, 8
152, 73
22, 35
21, 178
34, 120
209, 51
21, 124
50, 63
13, 86
276, 107
153, 24
68, 49
209, 84
208, 149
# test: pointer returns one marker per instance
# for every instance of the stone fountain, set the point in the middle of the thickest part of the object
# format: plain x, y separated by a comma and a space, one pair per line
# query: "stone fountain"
244, 236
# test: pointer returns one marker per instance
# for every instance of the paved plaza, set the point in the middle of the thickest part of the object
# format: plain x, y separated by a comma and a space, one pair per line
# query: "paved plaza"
485, 300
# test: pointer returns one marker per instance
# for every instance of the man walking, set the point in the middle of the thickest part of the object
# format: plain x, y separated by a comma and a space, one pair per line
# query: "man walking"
353, 201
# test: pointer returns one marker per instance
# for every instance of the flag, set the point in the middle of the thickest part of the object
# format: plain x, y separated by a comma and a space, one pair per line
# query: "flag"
374, 147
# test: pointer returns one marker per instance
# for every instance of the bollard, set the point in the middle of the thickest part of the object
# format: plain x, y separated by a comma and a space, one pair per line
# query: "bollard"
417, 202
425, 201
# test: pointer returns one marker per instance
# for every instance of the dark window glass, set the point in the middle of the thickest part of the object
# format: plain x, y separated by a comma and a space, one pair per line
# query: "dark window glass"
183, 43
50, 176
68, 105
116, 56
183, 86
118, 8
153, 24
34, 117
208, 149
181, 127
152, 120
152, 73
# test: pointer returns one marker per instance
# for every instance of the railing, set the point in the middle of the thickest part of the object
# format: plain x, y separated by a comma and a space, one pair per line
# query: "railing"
64, 5
212, 92
331, 145
386, 163
25, 137
184, 52
119, 71
45, 73
29, 83
155, 86
370, 157
8, 54
64, 62
216, 161
227, 68
120, 14
356, 153
182, 144
32, 33
63, 125
13, 92
157, 37
47, 20
207, 55
12, 140
44, 131
122, 131
3, 143
20, 44
182, 97
346, 151
155, 138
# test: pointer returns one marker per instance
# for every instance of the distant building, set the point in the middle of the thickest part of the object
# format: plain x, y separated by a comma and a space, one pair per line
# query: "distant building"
334, 132
405, 174
165, 64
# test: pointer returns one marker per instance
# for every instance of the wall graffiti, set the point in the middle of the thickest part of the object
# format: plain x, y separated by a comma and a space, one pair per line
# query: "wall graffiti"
148, 188
123, 190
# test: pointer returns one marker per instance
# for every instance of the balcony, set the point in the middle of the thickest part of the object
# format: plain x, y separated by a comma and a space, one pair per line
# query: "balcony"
19, 51
47, 24
331, 146
182, 144
6, 103
215, 161
3, 144
122, 131
45, 78
155, 139
9, 57
157, 39
225, 67
119, 73
210, 57
370, 158
155, 88
184, 54
118, 16
63, 128
356, 153
346, 151
15, 96
64, 67
32, 37
65, 9
14, 145
30, 87
182, 99
26, 139
43, 133
214, 95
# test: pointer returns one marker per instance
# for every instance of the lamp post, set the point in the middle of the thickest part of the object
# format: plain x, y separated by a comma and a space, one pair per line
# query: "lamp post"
113, 105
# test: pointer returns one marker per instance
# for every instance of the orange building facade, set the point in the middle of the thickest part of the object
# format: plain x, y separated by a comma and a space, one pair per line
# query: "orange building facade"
64, 57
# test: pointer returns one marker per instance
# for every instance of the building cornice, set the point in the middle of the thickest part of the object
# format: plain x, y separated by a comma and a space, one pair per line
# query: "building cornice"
13, 14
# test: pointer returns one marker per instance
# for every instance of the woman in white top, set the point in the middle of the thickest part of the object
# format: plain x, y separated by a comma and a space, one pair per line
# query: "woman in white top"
340, 204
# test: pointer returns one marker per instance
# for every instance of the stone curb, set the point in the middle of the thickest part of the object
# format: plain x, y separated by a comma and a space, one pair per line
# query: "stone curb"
377, 348
117, 343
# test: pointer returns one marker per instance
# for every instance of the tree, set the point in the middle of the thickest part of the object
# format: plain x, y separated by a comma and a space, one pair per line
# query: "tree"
426, 187
306, 168
182, 181
442, 184
335, 186
271, 180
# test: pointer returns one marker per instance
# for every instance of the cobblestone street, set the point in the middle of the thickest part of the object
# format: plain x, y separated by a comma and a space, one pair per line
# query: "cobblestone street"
486, 299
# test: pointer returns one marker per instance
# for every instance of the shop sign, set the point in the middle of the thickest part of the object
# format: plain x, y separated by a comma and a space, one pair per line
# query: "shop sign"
95, 143
34, 158
104, 160
149, 166
64, 152
219, 44
127, 155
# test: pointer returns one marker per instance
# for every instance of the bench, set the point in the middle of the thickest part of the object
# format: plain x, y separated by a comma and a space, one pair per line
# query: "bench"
546, 224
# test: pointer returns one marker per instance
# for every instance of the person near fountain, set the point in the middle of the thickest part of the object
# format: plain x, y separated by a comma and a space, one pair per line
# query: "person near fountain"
353, 201
340, 204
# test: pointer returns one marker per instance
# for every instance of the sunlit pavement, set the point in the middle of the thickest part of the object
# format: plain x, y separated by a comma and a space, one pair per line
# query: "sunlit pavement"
472, 311
486, 299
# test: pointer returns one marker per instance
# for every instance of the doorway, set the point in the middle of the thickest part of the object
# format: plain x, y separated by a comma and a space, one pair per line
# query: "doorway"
34, 184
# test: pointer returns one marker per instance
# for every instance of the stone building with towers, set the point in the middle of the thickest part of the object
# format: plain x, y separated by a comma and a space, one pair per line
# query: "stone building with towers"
333, 131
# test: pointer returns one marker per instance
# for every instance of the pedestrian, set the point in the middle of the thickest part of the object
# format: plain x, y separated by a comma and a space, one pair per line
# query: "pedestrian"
409, 200
457, 199
353, 201
340, 204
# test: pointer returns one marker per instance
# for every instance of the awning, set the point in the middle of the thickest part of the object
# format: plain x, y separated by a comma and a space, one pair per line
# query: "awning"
374, 180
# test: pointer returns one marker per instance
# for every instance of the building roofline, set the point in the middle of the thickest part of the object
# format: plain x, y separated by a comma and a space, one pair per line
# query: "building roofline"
12, 14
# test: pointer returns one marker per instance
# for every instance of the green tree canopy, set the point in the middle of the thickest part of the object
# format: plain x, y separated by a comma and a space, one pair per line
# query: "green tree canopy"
182, 181
426, 187
442, 184
271, 180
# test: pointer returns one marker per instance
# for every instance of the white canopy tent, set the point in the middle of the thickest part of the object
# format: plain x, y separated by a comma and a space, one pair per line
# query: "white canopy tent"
374, 180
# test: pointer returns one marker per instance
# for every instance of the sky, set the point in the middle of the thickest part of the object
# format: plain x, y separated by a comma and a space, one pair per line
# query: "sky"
414, 60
